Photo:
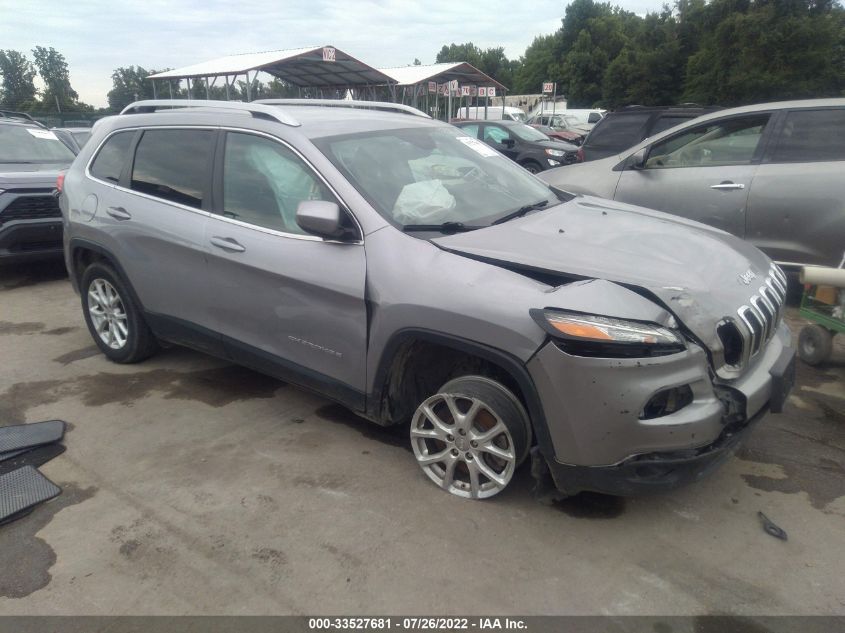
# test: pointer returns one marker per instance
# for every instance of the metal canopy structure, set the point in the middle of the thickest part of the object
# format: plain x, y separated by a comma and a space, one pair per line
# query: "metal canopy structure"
463, 72
415, 81
319, 67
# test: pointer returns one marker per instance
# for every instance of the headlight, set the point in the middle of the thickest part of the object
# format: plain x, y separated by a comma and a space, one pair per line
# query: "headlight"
555, 152
593, 335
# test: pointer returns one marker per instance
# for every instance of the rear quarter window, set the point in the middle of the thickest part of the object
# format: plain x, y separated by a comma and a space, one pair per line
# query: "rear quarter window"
110, 160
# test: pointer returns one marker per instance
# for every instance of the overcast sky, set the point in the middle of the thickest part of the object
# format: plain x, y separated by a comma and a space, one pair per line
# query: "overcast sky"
97, 36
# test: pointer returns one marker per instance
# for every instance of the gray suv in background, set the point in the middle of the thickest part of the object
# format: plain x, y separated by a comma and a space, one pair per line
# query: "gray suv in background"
31, 158
412, 273
772, 173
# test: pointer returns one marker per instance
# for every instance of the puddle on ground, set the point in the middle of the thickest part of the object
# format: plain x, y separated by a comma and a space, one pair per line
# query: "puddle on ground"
215, 387
396, 435
25, 558
77, 354
27, 327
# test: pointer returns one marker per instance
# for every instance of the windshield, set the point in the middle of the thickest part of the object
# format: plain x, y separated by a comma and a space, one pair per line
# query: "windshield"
528, 133
517, 116
20, 144
432, 175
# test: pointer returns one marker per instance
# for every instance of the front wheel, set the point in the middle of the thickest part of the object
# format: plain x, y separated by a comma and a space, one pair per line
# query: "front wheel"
470, 436
532, 167
114, 320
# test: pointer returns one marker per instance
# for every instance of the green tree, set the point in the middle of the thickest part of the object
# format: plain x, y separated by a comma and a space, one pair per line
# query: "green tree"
130, 84
16, 73
53, 69
775, 49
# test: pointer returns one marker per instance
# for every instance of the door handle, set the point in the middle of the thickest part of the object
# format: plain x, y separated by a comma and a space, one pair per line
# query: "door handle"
119, 213
728, 186
228, 244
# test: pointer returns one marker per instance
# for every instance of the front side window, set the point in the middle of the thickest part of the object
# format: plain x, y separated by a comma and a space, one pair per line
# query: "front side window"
264, 182
812, 135
174, 165
725, 142
434, 174
108, 165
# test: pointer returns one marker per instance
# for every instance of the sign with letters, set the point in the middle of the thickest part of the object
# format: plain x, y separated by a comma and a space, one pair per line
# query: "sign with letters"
328, 54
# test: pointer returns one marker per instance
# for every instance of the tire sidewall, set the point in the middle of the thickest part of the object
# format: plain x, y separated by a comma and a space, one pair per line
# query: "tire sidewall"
133, 316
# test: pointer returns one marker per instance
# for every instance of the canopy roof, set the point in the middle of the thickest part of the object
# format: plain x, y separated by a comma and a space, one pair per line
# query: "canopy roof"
304, 67
462, 71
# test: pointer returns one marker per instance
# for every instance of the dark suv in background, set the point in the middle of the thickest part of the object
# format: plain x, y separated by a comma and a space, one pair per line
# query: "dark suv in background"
31, 158
625, 127
522, 143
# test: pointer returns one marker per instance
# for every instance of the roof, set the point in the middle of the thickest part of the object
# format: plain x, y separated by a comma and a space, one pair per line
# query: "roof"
305, 67
464, 72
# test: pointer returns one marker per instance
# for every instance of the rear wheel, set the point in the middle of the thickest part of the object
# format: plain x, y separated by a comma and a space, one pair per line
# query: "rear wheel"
815, 344
470, 436
114, 320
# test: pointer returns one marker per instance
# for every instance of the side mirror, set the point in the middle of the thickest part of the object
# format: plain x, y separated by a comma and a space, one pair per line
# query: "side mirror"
320, 218
637, 159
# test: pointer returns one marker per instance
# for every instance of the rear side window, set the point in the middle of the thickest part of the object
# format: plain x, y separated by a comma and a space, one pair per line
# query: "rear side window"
108, 165
620, 131
812, 135
174, 165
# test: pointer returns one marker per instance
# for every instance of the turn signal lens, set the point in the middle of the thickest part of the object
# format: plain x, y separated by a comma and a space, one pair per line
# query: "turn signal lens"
60, 181
599, 328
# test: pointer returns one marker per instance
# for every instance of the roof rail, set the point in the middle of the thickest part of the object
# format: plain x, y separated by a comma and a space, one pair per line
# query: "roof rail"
258, 110
347, 103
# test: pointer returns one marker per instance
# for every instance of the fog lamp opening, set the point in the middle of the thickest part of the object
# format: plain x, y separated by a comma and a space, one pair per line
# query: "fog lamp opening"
666, 402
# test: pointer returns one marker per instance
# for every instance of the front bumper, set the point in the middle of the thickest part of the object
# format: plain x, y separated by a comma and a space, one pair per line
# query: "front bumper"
598, 440
26, 240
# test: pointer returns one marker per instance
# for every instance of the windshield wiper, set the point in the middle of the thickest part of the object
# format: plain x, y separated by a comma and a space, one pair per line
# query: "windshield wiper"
445, 227
518, 213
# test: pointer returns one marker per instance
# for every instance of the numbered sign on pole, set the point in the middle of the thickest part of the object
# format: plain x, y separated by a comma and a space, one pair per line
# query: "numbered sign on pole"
548, 87
464, 91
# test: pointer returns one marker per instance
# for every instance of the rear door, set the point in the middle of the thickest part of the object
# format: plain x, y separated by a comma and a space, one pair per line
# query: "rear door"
796, 208
287, 303
155, 218
703, 173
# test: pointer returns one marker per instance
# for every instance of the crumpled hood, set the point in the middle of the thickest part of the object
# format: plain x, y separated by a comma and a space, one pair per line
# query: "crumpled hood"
692, 268
23, 176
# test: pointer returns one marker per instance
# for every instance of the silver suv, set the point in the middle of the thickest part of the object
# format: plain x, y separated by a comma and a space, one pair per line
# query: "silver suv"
408, 271
771, 173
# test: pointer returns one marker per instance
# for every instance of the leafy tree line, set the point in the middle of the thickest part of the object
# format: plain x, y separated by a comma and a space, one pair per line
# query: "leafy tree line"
725, 52
17, 82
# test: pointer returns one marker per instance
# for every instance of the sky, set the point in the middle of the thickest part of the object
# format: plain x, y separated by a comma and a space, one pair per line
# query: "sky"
97, 36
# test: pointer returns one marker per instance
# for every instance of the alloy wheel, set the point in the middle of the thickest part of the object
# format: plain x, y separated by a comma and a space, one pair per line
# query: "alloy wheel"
108, 314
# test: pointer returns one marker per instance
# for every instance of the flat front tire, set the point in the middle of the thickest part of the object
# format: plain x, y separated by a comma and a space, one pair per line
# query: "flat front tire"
815, 344
470, 436
114, 320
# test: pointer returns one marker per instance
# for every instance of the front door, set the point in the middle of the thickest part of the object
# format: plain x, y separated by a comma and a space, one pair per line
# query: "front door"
287, 303
500, 138
703, 173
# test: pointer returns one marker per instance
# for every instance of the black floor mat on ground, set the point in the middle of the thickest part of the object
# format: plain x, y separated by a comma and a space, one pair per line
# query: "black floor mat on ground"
37, 456
23, 489
20, 436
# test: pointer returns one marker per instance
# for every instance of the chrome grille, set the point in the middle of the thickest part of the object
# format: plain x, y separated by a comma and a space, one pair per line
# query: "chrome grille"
758, 319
